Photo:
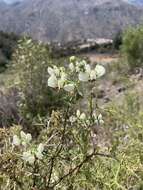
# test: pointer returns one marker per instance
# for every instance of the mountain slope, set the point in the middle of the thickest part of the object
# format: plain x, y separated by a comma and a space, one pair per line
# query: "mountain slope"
137, 2
57, 20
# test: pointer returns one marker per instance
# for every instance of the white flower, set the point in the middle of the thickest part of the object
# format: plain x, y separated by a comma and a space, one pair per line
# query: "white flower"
56, 70
99, 120
72, 58
71, 67
93, 75
72, 119
39, 155
83, 62
25, 137
77, 66
63, 76
82, 116
94, 114
78, 113
83, 76
53, 81
28, 157
51, 71
16, 140
69, 87
100, 71
61, 83
39, 151
87, 68
40, 148
99, 116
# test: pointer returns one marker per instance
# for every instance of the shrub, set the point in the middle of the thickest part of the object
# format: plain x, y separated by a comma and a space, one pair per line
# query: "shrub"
67, 145
117, 41
31, 61
132, 46
8, 43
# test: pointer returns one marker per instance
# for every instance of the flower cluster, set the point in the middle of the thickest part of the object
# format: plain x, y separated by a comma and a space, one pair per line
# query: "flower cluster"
29, 155
24, 139
61, 79
83, 118
84, 71
98, 119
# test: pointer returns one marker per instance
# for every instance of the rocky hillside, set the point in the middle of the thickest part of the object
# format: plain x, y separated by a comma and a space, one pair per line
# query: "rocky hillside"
57, 20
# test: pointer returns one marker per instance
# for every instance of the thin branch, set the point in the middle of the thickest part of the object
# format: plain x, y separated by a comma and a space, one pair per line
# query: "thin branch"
51, 171
78, 167
58, 149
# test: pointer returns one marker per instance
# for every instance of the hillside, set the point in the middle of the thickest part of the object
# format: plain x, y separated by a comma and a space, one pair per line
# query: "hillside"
137, 2
64, 20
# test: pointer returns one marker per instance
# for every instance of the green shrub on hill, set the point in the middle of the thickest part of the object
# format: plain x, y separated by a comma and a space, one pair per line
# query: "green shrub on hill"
132, 46
118, 40
31, 61
8, 43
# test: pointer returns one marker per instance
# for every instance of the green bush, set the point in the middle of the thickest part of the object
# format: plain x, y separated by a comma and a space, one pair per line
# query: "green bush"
8, 43
117, 41
63, 154
133, 46
31, 61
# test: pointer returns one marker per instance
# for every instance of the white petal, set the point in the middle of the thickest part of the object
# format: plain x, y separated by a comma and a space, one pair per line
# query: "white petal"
63, 76
101, 121
40, 148
56, 71
71, 67
93, 75
83, 116
99, 116
28, 137
83, 76
100, 70
72, 58
78, 113
94, 115
23, 135
69, 87
83, 62
51, 71
28, 157
87, 68
72, 119
53, 82
61, 83
16, 140
39, 155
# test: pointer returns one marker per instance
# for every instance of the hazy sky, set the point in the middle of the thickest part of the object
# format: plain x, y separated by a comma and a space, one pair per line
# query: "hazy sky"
11, 1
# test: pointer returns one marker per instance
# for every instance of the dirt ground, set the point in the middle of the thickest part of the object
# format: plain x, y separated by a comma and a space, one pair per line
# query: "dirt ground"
101, 57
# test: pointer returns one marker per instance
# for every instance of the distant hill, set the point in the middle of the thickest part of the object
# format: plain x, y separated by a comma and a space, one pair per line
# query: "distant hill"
67, 20
137, 2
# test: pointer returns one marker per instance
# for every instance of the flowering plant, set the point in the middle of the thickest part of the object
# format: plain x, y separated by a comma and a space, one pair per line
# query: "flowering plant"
67, 141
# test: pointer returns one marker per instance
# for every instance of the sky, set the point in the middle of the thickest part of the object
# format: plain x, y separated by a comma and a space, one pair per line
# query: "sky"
11, 1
